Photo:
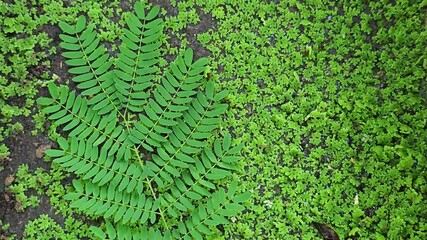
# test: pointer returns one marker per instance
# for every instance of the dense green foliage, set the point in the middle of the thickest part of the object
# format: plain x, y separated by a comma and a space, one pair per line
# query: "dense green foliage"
21, 65
327, 96
45, 227
141, 147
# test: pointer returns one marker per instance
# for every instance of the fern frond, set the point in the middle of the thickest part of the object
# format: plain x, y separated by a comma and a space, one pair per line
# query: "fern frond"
120, 231
197, 180
87, 161
90, 62
65, 108
111, 204
169, 100
139, 55
220, 206
185, 139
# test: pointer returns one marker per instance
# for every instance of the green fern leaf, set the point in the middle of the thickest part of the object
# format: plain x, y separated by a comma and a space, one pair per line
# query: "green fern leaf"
242, 197
135, 59
180, 157
88, 61
141, 147
98, 232
117, 206
164, 105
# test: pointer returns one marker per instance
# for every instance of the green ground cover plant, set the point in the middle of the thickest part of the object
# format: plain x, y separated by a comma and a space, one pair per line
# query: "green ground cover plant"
20, 65
327, 97
44, 227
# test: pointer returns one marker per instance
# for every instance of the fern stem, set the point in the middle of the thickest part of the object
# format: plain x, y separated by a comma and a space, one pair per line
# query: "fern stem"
153, 193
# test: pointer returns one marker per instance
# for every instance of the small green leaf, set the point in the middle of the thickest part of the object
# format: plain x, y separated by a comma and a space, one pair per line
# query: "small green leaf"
67, 28
184, 157
242, 197
193, 195
218, 148
221, 95
153, 13
70, 46
179, 206
45, 101
172, 171
226, 143
188, 56
139, 9
111, 231
81, 23
53, 90
119, 213
210, 90
207, 184
196, 234
54, 152
98, 232
78, 186
72, 196
203, 229
67, 38
175, 70
72, 55
79, 70
128, 215
181, 227
201, 63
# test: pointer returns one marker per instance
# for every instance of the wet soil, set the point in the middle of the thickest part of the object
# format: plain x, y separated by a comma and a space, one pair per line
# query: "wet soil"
23, 148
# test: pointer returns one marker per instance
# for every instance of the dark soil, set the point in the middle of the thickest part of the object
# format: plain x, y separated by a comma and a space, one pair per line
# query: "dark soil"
206, 23
23, 146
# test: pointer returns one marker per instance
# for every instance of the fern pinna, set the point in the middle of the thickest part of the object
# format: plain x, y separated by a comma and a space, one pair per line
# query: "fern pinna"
140, 142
